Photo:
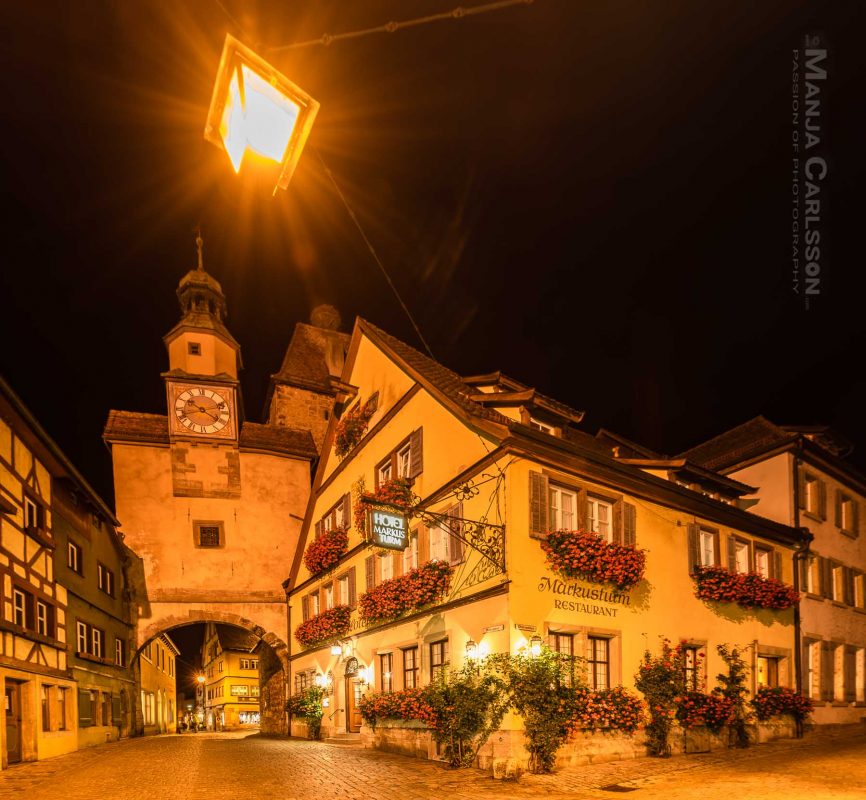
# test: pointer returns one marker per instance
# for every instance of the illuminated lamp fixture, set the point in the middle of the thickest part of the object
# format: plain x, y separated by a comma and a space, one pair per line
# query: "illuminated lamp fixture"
256, 110
336, 649
200, 678
535, 646
471, 650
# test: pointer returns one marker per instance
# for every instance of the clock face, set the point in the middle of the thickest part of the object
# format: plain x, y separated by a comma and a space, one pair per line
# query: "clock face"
202, 410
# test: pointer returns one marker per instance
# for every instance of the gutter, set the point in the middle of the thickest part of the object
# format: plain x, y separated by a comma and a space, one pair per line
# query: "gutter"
801, 553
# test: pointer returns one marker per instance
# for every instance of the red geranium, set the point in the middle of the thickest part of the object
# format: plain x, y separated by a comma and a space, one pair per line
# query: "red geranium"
330, 624
323, 553
396, 492
352, 427
781, 700
749, 590
614, 709
418, 587
405, 704
582, 554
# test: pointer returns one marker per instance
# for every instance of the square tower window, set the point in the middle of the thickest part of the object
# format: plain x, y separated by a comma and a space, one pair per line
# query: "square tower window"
193, 348
209, 534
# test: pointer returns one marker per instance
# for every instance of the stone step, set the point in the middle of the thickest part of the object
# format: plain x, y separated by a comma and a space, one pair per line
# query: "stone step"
344, 739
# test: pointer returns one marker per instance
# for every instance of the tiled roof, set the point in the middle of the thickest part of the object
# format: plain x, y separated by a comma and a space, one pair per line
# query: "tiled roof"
273, 437
313, 357
444, 379
738, 444
232, 638
132, 426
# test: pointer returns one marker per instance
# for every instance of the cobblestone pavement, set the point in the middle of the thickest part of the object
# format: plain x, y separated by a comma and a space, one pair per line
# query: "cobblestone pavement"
825, 765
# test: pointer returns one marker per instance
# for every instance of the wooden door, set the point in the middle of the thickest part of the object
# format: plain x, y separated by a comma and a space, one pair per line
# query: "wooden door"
353, 697
13, 722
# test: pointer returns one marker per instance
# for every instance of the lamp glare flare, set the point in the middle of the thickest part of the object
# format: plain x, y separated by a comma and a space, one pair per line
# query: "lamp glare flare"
256, 117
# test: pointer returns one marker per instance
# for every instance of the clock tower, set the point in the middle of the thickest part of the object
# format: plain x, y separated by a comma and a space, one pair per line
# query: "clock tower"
204, 359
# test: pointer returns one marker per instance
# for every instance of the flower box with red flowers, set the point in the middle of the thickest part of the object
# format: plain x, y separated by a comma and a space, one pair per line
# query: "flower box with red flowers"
408, 704
748, 590
326, 551
711, 711
581, 554
328, 626
352, 427
417, 588
614, 709
779, 701
396, 493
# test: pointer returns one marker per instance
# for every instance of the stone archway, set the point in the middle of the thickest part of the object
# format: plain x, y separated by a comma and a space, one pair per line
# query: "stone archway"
273, 658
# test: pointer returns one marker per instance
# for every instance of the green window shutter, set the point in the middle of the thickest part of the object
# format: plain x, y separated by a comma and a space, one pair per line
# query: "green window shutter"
85, 709
629, 525
539, 501
416, 458
693, 533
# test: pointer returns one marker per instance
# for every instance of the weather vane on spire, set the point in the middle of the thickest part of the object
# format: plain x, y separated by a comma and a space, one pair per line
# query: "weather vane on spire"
199, 244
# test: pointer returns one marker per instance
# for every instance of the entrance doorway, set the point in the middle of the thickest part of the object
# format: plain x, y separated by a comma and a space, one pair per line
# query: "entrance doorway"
13, 722
353, 698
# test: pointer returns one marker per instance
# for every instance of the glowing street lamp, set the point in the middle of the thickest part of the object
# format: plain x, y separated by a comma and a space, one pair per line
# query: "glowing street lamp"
256, 110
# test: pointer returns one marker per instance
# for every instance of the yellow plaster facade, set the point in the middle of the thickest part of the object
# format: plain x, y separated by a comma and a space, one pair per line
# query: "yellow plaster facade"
473, 462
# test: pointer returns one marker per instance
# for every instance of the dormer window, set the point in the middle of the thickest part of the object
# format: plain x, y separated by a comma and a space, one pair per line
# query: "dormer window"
541, 426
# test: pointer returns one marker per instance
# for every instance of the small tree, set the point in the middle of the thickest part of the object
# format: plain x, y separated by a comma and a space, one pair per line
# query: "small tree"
661, 678
543, 693
469, 705
732, 686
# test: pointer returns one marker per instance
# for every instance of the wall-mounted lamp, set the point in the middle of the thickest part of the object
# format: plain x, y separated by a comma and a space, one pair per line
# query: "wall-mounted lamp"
471, 650
535, 645
336, 649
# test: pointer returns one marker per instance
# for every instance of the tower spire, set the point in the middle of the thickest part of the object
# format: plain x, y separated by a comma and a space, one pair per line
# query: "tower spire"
199, 245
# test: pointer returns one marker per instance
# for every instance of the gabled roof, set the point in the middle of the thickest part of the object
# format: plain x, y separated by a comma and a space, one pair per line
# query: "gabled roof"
739, 444
440, 377
132, 426
232, 638
313, 358
513, 393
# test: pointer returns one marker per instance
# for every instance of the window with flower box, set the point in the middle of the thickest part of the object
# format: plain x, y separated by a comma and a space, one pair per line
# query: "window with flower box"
346, 593
338, 517
328, 596
556, 503
703, 546
768, 672
763, 559
386, 566
310, 605
739, 555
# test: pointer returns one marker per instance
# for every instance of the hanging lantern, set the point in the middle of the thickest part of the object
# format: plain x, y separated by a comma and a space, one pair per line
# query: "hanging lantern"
257, 112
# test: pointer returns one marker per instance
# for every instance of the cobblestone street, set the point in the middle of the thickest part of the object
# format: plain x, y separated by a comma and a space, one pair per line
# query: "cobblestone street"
831, 764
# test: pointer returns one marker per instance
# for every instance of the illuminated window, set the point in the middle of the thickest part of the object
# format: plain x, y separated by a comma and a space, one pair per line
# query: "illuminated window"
96, 641
73, 557
768, 672
438, 657
386, 566
563, 643
691, 671
42, 618
46, 697
343, 590
598, 662
540, 426
563, 509
740, 556
707, 543
404, 461
410, 554
329, 596
762, 562
599, 517
410, 667
18, 606
119, 652
105, 579
385, 667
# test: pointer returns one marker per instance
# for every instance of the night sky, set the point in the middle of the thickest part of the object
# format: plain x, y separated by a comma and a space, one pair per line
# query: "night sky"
594, 198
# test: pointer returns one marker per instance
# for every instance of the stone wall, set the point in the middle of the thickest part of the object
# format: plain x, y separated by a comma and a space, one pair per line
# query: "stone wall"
506, 756
300, 408
272, 697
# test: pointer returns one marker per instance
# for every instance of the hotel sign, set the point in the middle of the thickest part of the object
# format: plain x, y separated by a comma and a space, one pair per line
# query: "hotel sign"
389, 529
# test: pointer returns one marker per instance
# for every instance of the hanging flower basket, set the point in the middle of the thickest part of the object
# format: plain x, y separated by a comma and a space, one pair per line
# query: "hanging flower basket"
418, 587
748, 590
781, 701
352, 427
325, 552
329, 625
396, 492
581, 554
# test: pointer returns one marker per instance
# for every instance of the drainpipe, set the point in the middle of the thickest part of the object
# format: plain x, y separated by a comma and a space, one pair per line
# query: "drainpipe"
288, 687
801, 553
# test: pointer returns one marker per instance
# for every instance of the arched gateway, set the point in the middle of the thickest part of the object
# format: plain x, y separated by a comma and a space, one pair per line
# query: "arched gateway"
210, 504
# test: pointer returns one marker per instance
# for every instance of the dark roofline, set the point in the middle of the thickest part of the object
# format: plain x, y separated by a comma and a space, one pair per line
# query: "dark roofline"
54, 449
629, 443
682, 464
